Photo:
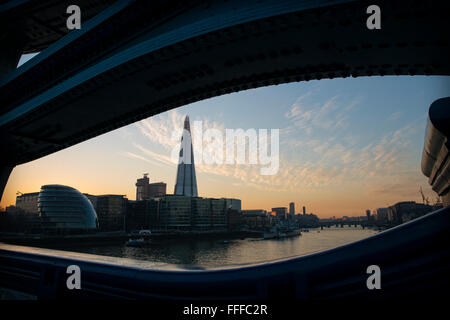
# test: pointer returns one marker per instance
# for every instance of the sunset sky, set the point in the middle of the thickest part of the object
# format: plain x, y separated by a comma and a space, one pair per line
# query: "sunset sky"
346, 145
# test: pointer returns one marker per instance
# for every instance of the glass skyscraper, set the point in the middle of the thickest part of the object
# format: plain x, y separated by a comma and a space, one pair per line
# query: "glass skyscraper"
186, 184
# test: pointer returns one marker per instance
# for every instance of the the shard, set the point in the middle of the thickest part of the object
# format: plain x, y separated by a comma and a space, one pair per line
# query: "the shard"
186, 183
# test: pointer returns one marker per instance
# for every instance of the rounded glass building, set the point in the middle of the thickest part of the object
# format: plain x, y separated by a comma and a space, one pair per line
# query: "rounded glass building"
64, 209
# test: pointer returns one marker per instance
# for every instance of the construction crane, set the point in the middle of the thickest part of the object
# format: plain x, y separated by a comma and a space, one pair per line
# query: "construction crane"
424, 199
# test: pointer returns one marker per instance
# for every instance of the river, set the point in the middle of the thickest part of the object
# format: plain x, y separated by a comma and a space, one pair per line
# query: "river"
207, 254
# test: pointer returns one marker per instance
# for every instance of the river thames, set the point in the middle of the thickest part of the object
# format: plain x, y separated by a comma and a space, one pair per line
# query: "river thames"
208, 254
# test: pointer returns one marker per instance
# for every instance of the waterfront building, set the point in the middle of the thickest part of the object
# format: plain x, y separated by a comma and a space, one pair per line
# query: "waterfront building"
186, 182
137, 215
218, 209
16, 219
111, 211
28, 202
368, 214
142, 187
407, 210
234, 204
146, 190
174, 212
201, 219
382, 214
307, 220
280, 212
64, 209
304, 210
291, 210
256, 219
234, 220
156, 189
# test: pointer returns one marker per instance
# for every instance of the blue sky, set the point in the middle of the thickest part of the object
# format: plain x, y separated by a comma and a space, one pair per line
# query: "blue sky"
346, 145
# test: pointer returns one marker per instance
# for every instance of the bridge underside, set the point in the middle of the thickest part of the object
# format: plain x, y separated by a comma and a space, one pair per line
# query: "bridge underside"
41, 23
211, 57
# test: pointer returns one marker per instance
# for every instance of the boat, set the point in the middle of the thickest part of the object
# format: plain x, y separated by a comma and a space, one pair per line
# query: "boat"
270, 235
293, 233
282, 235
140, 242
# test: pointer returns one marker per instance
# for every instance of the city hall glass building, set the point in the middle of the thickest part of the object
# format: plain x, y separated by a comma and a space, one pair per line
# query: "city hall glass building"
65, 210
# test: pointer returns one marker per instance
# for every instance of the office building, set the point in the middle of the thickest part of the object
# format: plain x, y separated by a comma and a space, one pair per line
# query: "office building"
256, 219
280, 213
292, 209
234, 220
382, 214
307, 220
407, 210
156, 189
28, 202
142, 186
146, 190
111, 211
174, 212
234, 204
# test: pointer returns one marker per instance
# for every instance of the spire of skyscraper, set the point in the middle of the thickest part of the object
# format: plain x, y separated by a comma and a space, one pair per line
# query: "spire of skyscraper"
186, 183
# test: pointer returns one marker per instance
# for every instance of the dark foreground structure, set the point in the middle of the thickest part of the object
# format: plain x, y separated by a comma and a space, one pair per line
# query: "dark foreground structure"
413, 258
436, 152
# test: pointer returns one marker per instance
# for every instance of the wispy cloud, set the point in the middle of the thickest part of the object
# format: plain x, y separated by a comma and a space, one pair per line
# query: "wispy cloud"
308, 115
327, 153
156, 156
395, 115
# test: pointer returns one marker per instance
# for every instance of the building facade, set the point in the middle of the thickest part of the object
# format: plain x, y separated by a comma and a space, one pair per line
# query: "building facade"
111, 212
407, 210
256, 219
156, 189
64, 209
382, 214
28, 202
235, 204
146, 190
280, 213
292, 209
186, 182
173, 212
234, 220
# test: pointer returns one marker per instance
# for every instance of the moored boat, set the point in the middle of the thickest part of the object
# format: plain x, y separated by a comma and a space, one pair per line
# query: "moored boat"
137, 242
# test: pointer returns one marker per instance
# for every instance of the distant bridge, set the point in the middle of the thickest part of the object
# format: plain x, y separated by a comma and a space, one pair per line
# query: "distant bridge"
342, 223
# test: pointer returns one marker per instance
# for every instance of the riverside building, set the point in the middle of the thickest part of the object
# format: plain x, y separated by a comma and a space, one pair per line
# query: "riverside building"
64, 209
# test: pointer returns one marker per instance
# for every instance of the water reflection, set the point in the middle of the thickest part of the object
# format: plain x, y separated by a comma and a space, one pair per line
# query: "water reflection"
206, 254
